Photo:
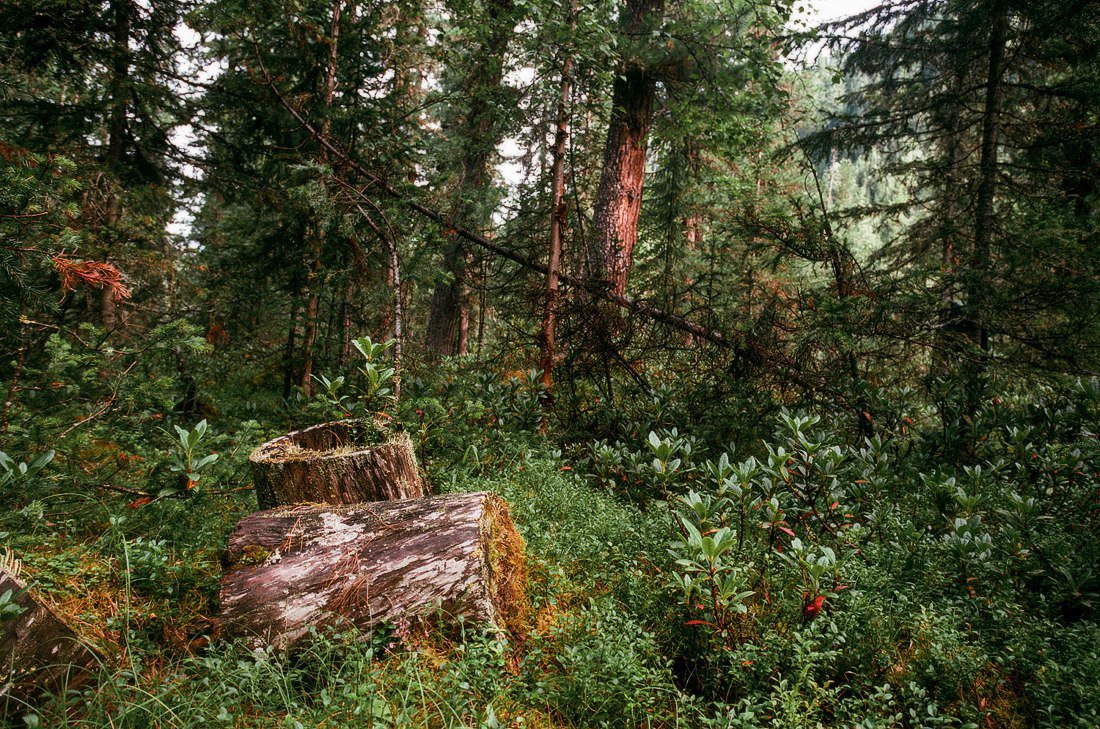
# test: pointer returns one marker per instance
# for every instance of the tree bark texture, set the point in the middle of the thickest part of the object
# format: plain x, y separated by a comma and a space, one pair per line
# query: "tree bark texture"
333, 464
619, 195
355, 566
38, 652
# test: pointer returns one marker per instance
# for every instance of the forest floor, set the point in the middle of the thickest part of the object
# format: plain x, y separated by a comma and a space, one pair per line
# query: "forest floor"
587, 656
820, 581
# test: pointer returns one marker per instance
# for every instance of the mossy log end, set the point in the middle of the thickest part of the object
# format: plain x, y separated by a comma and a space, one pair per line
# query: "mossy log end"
38, 652
336, 463
452, 556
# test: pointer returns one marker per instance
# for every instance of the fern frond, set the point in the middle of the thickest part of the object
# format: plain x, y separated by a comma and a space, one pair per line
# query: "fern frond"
9, 564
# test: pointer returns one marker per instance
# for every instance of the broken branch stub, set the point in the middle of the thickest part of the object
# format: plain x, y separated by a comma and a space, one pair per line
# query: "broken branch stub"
38, 652
456, 556
343, 462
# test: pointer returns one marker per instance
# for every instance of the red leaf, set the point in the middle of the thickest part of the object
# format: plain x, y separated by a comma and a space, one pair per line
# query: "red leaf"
812, 607
138, 503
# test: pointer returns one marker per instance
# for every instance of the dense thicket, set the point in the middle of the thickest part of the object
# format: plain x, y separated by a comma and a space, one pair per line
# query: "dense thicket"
781, 342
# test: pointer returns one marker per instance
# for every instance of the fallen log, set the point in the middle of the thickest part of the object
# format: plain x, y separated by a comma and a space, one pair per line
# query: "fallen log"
448, 557
38, 652
344, 462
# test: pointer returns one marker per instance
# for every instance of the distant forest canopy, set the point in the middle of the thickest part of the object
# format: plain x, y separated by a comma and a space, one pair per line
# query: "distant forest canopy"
554, 185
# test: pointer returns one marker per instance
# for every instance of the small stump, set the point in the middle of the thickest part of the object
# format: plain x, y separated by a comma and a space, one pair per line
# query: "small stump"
453, 556
38, 652
345, 462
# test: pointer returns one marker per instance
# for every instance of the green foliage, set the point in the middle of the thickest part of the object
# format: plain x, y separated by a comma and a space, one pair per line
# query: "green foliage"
378, 379
37, 198
186, 456
13, 475
9, 608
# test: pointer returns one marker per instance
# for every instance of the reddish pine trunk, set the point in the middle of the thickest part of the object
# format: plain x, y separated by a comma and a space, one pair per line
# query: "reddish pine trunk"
619, 196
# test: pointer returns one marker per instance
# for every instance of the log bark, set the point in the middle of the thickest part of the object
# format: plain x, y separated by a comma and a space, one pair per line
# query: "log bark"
335, 463
38, 652
355, 566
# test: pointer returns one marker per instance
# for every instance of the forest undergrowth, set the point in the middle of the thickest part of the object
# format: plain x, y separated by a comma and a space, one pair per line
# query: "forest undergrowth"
685, 570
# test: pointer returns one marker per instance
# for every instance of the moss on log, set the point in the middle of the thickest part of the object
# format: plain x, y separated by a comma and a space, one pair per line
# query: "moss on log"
38, 652
452, 556
344, 462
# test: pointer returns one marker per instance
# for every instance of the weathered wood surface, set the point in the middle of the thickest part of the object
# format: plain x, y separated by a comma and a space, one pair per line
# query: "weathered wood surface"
327, 464
456, 555
38, 652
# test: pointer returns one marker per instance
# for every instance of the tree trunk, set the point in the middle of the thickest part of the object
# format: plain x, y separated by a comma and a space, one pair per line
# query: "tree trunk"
316, 265
987, 171
944, 355
557, 226
345, 462
38, 652
619, 195
288, 351
309, 333
453, 556
462, 348
446, 306
480, 136
394, 275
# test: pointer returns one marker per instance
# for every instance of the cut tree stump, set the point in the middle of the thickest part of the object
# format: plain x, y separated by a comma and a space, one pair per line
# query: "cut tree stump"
344, 462
38, 652
452, 556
